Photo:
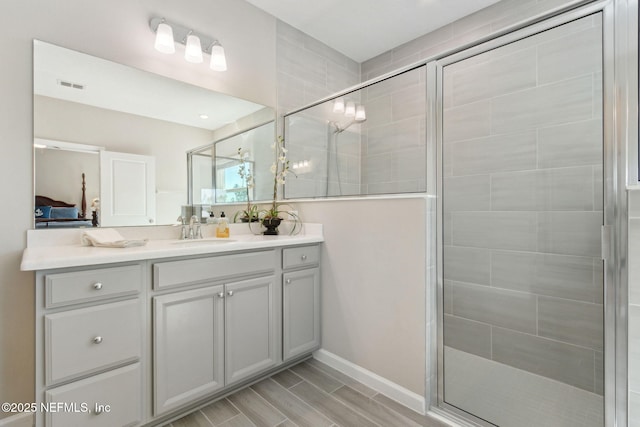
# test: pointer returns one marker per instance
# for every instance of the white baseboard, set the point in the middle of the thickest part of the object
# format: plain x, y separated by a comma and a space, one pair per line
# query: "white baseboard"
382, 385
18, 420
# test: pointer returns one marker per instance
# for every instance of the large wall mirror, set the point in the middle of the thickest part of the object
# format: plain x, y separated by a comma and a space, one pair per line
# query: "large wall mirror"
103, 130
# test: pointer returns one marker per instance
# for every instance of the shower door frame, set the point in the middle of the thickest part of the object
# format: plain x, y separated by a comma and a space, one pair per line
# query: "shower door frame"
616, 84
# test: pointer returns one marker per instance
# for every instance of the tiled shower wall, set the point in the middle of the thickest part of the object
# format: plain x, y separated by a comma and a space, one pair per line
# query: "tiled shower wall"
394, 135
523, 204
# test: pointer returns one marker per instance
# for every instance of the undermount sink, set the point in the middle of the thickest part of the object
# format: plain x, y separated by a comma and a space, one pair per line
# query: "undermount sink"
212, 240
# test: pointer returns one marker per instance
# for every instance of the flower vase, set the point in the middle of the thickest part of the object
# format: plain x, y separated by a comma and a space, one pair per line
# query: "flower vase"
271, 225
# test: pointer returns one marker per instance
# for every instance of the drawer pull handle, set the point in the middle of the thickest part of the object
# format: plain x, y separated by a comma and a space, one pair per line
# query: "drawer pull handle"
230, 293
97, 340
303, 257
97, 286
288, 281
221, 294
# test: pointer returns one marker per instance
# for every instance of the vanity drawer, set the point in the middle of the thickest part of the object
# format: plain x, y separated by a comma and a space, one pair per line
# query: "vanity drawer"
190, 271
88, 339
89, 285
120, 389
301, 256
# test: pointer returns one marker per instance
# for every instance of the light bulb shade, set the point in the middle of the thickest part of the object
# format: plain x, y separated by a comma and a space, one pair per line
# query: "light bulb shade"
338, 105
218, 60
361, 114
164, 39
193, 52
350, 109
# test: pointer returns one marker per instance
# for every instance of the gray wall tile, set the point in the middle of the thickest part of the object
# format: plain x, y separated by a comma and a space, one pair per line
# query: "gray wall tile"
634, 409
514, 310
599, 375
467, 193
495, 230
469, 336
571, 144
562, 362
467, 122
570, 56
543, 274
571, 233
565, 189
565, 102
500, 153
573, 322
472, 265
634, 348
634, 254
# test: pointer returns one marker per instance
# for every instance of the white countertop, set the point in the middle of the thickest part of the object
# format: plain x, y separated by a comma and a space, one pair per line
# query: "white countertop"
62, 248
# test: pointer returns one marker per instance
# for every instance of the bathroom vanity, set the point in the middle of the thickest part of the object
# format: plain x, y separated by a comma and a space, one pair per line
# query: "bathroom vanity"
138, 336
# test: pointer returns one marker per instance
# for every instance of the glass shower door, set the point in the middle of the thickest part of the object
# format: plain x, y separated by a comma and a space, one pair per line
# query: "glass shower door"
522, 209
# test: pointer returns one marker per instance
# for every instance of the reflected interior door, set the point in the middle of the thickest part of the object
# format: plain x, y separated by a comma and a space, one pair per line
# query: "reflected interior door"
522, 210
127, 189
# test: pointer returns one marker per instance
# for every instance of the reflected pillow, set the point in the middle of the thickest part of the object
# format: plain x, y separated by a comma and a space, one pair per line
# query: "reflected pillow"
64, 212
43, 211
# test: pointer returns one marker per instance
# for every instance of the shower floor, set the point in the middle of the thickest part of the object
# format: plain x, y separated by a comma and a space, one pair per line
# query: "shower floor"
508, 396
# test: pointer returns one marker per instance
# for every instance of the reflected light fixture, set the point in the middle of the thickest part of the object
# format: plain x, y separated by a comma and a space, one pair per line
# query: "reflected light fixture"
361, 114
338, 105
350, 109
167, 35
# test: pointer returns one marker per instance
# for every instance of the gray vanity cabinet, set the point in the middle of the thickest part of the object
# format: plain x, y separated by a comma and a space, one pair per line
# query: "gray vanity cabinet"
301, 301
252, 322
188, 353
89, 346
219, 334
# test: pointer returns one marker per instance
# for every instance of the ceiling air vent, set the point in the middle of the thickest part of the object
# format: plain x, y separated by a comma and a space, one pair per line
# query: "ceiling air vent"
71, 85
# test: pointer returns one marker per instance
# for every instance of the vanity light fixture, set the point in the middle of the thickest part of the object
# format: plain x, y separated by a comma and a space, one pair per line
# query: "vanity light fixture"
195, 44
338, 105
193, 51
164, 38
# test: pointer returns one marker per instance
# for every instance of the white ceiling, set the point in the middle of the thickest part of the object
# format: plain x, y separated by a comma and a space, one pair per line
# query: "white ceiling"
118, 87
362, 29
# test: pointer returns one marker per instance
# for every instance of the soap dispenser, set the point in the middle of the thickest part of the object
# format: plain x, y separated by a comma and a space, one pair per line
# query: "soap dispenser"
222, 229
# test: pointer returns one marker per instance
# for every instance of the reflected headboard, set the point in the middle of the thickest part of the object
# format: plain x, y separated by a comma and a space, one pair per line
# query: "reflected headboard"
48, 201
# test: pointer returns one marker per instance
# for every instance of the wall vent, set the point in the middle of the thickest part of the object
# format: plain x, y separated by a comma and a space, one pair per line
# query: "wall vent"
71, 85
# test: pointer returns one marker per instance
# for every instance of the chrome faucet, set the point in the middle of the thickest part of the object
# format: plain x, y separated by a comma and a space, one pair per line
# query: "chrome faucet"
194, 231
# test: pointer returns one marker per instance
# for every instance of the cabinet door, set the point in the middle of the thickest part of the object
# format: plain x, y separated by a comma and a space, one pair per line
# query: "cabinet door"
301, 312
252, 323
188, 346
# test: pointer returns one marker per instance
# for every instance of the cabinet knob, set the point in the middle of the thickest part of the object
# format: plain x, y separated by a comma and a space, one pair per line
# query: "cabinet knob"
97, 286
97, 340
288, 281
230, 293
221, 294
303, 257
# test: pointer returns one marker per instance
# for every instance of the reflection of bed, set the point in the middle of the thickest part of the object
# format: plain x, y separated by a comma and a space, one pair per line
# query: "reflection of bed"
50, 213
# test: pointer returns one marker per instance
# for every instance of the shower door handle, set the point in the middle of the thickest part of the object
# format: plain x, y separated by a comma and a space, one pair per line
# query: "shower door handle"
605, 239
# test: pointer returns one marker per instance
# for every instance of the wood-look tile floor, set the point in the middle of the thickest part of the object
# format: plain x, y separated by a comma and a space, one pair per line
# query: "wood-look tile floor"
310, 394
